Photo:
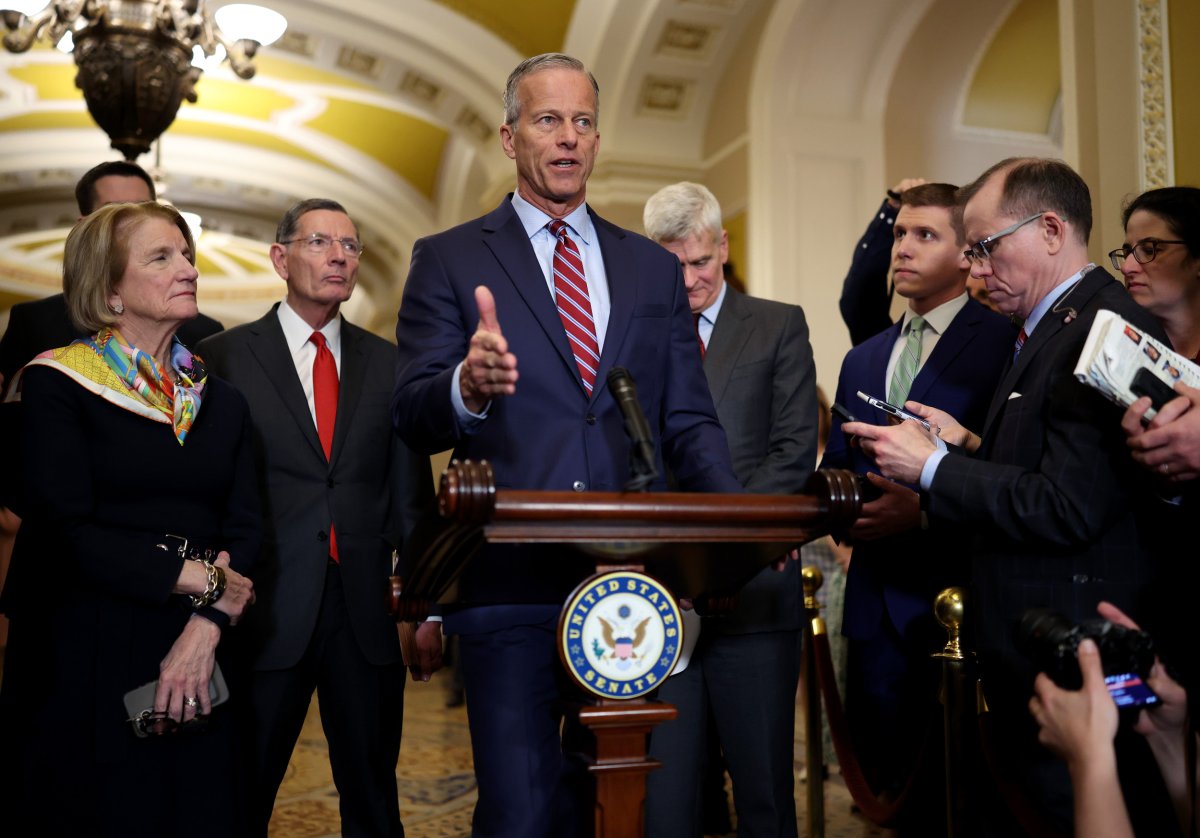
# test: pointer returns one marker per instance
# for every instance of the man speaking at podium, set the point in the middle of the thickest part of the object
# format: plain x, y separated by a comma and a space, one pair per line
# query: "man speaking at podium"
507, 331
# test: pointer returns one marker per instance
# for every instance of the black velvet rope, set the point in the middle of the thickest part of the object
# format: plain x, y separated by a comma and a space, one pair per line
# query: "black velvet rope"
875, 810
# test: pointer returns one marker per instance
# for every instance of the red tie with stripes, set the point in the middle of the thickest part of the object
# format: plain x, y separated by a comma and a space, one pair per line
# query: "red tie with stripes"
325, 399
574, 306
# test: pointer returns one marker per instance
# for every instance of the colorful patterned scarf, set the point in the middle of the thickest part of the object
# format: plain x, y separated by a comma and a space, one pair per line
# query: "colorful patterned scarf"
143, 377
126, 376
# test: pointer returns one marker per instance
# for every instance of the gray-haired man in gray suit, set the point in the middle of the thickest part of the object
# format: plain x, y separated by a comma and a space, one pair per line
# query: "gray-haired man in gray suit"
745, 666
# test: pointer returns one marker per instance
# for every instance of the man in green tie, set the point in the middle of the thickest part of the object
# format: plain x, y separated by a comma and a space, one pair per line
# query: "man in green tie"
945, 350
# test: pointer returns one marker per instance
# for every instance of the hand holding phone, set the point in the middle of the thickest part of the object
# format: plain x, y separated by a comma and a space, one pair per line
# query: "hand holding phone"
840, 412
1146, 383
892, 410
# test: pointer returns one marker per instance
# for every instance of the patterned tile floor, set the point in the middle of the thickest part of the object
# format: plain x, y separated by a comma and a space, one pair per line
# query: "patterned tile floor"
437, 786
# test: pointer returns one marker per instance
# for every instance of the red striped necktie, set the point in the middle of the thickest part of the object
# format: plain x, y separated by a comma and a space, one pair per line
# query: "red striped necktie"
1021, 338
574, 306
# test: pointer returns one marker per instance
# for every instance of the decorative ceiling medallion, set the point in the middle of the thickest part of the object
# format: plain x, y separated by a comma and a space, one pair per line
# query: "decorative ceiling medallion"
359, 61
664, 97
420, 87
297, 43
685, 40
475, 124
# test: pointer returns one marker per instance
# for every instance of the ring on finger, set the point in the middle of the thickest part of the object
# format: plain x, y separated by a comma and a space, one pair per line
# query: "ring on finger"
191, 701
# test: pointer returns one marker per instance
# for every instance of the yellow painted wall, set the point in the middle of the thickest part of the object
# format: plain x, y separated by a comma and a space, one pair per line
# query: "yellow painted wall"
1184, 27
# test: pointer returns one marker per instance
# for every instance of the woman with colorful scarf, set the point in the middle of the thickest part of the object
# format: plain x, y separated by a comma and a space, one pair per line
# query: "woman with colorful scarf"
140, 521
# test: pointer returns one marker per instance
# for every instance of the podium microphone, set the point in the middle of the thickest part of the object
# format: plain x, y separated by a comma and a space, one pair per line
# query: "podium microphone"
641, 455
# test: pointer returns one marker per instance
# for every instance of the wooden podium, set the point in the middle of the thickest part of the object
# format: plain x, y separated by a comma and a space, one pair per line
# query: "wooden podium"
700, 546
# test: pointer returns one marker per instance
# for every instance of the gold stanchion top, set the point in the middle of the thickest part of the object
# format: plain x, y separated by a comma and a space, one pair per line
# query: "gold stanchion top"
948, 608
811, 579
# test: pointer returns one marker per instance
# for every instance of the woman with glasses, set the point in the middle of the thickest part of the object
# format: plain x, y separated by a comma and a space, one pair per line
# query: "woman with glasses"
139, 520
1160, 261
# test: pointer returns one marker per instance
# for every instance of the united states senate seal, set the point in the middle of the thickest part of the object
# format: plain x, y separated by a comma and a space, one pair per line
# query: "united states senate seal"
620, 634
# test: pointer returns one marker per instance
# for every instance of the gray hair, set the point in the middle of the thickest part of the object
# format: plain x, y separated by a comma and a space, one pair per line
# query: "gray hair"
291, 219
677, 211
545, 61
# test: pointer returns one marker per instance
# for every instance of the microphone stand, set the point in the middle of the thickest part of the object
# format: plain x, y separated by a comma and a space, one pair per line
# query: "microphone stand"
642, 469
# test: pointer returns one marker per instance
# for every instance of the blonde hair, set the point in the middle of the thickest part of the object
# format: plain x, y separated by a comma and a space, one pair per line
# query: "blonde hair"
95, 257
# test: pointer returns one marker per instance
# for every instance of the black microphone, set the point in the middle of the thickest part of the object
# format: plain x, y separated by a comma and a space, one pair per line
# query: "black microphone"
641, 455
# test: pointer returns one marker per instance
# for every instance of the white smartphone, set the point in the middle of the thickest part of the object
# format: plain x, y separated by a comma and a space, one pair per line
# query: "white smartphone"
898, 412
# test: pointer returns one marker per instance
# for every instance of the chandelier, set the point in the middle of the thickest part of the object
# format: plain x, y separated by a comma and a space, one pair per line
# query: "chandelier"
138, 60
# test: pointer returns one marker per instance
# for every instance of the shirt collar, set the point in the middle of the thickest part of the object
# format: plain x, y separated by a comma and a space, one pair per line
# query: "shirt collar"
296, 332
940, 318
535, 220
710, 314
1039, 310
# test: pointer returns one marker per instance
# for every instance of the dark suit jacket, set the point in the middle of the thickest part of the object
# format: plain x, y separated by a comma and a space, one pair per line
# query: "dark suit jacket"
896, 578
1052, 495
760, 370
551, 434
44, 324
373, 489
866, 301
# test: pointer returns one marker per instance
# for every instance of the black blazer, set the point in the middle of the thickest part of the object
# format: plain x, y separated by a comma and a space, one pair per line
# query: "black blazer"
373, 490
1054, 498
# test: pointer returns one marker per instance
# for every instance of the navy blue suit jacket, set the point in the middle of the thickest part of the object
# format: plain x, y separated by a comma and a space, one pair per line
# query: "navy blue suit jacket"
895, 578
551, 435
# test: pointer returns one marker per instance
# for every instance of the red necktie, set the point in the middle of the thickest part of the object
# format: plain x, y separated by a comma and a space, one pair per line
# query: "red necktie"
574, 306
699, 340
325, 399
1021, 338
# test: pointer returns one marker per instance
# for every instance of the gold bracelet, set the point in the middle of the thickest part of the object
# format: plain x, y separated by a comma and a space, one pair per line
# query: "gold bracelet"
214, 586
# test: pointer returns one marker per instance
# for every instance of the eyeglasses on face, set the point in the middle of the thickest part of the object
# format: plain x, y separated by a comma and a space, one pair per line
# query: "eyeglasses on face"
1143, 250
982, 250
320, 243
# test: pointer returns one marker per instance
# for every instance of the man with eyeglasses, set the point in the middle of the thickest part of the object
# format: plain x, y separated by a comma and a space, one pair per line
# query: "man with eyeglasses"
1047, 487
340, 491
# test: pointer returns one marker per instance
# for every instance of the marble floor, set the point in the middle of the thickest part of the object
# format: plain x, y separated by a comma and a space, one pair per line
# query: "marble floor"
437, 785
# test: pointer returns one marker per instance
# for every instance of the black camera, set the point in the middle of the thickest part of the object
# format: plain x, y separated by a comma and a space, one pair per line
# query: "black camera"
1051, 640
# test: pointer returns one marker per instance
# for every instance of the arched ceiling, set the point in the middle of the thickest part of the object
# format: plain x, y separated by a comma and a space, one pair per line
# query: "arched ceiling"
389, 106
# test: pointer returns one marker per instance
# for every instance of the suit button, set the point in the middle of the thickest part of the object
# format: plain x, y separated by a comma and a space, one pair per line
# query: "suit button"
590, 419
322, 536
578, 486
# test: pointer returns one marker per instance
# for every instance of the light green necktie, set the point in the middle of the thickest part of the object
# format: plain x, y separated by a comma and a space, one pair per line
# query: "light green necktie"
909, 363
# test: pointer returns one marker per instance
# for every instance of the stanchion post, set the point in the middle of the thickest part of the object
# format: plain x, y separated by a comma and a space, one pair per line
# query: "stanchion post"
814, 757
958, 701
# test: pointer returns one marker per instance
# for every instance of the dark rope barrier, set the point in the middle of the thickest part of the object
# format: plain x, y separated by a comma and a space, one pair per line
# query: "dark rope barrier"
1028, 816
875, 810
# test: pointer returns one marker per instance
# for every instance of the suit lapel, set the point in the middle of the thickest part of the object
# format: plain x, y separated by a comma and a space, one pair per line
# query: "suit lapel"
950, 345
505, 236
881, 354
270, 351
734, 326
621, 272
1054, 321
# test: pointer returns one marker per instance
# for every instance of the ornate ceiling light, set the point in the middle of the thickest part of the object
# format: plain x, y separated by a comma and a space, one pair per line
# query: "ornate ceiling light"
139, 59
